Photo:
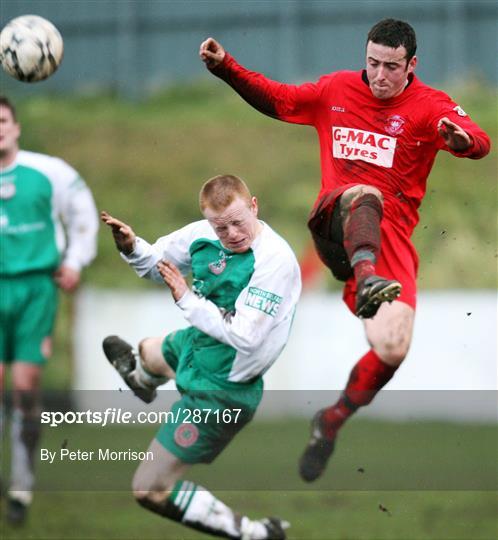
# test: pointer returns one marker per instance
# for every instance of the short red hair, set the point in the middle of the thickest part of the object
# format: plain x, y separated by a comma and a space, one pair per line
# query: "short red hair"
219, 192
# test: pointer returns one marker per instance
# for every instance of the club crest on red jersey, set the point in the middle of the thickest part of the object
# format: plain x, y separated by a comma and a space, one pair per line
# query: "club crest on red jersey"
394, 125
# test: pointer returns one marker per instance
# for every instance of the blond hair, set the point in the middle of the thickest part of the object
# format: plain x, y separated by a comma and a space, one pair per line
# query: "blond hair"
220, 191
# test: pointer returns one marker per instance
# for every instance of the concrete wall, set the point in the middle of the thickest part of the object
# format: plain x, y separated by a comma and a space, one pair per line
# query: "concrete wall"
451, 370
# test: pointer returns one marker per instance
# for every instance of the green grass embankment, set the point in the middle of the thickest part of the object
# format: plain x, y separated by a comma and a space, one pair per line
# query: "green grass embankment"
145, 163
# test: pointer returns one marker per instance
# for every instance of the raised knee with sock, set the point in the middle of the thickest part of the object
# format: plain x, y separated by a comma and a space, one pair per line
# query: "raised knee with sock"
362, 234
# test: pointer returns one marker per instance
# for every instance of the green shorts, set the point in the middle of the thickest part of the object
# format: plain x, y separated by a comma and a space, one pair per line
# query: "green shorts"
211, 410
28, 305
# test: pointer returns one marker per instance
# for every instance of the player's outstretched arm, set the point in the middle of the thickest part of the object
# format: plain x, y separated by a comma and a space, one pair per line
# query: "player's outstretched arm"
454, 135
286, 102
123, 234
211, 53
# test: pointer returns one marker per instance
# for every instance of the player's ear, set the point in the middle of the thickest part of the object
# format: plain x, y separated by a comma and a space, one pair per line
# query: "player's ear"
412, 64
254, 206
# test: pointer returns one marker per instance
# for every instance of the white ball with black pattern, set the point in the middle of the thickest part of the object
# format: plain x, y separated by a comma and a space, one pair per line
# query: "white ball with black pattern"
31, 48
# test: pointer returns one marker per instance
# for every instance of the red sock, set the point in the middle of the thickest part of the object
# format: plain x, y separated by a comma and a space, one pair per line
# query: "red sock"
362, 235
367, 377
363, 269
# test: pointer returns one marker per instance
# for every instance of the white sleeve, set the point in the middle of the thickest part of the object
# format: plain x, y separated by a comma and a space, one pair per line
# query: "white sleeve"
81, 222
173, 247
268, 299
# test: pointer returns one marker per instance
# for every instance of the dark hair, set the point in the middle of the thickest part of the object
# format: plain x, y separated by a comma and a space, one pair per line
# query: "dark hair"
394, 33
5, 102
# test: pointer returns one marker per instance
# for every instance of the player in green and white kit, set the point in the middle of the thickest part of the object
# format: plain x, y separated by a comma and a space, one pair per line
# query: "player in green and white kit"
48, 226
246, 283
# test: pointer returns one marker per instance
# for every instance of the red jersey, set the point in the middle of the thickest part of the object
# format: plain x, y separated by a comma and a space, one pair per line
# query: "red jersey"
387, 143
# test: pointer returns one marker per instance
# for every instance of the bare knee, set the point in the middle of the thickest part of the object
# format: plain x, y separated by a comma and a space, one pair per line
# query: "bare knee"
392, 350
26, 377
144, 351
145, 489
154, 480
355, 192
150, 353
390, 332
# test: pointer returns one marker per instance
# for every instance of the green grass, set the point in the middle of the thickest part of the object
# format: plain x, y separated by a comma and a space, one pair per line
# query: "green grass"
438, 515
257, 475
145, 162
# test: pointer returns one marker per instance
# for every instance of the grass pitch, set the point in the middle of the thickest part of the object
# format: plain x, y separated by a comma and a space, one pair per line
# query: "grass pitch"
385, 464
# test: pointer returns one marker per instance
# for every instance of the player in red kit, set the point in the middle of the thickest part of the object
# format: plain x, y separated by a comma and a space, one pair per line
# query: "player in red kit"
379, 131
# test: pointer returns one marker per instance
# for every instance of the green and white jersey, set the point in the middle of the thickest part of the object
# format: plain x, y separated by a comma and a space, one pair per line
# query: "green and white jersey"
47, 216
244, 300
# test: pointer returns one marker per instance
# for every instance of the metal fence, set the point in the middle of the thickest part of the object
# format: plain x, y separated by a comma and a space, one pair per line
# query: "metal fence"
133, 47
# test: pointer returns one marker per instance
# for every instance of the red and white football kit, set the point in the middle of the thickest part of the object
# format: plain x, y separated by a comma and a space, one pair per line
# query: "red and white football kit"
390, 144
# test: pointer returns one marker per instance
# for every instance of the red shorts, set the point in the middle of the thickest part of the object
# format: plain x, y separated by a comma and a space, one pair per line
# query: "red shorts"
397, 259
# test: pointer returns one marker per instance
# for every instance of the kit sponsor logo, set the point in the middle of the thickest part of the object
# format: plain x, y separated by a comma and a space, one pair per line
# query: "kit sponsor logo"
265, 301
354, 144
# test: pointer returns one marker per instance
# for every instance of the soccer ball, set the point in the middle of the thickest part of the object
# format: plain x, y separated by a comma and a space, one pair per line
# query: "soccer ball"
31, 48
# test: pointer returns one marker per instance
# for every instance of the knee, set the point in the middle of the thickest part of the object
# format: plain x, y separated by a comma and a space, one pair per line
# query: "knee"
353, 199
354, 193
369, 190
392, 350
144, 350
28, 385
142, 491
140, 486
